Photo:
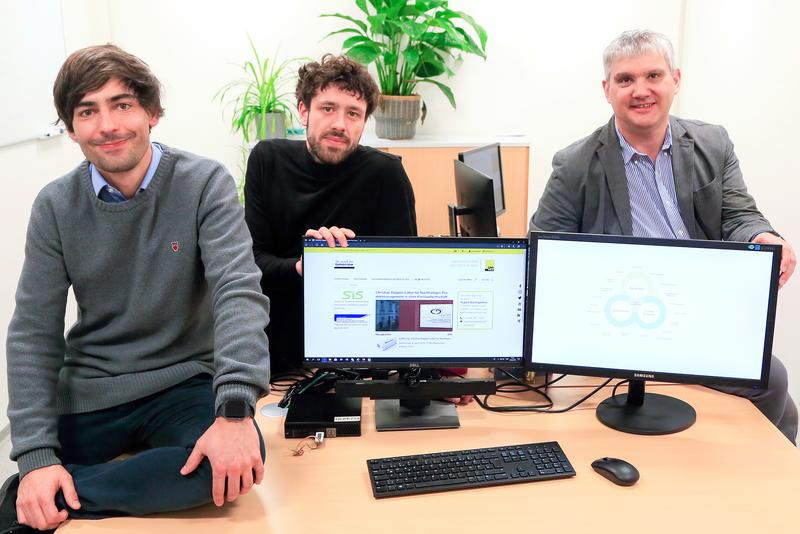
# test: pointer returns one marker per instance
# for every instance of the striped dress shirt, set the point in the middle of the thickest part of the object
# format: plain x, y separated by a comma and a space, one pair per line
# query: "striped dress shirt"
651, 189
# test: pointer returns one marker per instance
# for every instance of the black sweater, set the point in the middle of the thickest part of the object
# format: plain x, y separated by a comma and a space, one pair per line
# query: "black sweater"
287, 192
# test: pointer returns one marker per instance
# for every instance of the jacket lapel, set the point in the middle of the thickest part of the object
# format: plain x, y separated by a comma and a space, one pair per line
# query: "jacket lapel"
610, 155
683, 174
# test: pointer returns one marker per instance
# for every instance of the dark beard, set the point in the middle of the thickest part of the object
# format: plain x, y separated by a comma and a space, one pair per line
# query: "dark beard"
328, 157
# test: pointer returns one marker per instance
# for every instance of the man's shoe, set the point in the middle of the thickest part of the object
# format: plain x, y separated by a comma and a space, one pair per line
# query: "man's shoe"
8, 510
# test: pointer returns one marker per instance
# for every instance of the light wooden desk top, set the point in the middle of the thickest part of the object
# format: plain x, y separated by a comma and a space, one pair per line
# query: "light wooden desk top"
730, 472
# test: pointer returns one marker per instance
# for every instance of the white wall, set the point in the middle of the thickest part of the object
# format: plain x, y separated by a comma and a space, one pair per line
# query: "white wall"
542, 79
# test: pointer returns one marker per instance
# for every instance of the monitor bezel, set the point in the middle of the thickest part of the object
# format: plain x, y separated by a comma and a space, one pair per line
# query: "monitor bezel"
487, 148
411, 362
645, 374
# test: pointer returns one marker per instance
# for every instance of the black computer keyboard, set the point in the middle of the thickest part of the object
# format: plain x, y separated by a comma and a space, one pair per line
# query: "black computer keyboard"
472, 468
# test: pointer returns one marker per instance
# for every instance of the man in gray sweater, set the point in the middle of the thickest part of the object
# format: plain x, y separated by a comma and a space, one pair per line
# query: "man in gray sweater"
168, 353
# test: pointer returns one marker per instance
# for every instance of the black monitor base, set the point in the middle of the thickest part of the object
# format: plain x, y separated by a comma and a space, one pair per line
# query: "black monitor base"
643, 413
390, 414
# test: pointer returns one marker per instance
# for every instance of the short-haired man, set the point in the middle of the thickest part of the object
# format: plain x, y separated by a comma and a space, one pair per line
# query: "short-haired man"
168, 353
328, 187
648, 174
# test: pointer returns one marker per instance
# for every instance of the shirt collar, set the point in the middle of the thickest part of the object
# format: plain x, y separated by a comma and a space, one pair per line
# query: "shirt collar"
98, 182
628, 151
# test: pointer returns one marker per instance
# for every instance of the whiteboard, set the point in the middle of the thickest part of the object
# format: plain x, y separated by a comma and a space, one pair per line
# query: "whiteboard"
32, 45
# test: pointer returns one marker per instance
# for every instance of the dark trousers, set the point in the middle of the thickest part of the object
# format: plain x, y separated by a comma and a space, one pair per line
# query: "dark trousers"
164, 427
775, 401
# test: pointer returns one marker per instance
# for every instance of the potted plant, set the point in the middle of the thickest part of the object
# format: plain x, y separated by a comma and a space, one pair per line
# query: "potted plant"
262, 105
410, 42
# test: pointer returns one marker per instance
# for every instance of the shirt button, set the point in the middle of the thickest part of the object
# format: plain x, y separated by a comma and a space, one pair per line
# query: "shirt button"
680, 232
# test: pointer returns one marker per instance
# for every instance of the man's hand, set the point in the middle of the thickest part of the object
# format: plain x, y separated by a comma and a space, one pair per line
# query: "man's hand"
788, 258
36, 498
233, 450
332, 235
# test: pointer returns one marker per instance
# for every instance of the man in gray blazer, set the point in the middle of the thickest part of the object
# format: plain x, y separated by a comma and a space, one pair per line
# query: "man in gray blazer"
648, 174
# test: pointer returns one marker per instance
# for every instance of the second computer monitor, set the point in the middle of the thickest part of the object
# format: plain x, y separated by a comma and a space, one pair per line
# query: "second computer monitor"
474, 216
486, 159
691, 311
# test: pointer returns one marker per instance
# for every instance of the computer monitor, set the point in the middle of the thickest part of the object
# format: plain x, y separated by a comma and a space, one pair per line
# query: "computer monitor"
689, 311
486, 159
409, 304
474, 216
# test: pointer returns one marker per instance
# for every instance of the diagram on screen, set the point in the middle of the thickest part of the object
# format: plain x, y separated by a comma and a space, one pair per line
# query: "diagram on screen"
639, 302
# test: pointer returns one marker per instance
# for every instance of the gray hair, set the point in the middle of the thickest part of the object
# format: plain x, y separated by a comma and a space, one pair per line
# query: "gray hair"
635, 43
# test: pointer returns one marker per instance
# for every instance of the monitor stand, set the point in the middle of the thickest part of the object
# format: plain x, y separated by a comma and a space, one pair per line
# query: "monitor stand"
645, 413
393, 414
453, 212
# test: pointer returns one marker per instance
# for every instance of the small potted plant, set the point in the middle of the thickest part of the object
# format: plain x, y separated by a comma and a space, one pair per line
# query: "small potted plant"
262, 98
410, 42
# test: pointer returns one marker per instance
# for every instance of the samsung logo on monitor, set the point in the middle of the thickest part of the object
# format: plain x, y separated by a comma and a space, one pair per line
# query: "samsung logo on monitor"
643, 375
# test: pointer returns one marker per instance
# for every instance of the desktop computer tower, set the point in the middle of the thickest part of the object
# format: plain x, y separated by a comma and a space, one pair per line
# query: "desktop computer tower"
332, 414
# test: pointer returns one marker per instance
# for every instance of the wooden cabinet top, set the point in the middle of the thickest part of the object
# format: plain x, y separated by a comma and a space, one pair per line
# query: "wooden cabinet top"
443, 141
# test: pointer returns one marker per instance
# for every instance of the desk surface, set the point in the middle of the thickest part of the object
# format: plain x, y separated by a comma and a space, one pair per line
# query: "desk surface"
730, 472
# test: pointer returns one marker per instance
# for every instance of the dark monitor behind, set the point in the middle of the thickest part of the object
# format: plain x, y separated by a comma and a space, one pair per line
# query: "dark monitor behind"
475, 214
486, 159
411, 304
689, 311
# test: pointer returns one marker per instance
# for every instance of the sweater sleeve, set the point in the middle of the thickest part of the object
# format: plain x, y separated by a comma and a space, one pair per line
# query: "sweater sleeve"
35, 343
277, 273
241, 311
396, 206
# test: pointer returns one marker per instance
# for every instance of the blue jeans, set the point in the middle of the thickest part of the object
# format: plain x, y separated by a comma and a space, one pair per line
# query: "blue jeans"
166, 425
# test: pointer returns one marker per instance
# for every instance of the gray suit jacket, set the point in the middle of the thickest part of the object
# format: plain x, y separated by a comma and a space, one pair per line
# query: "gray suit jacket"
588, 190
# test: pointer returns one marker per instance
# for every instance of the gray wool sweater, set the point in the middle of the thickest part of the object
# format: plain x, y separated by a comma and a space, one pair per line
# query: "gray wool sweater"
166, 288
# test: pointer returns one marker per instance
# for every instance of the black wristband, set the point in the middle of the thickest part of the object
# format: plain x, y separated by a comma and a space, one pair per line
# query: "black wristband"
235, 410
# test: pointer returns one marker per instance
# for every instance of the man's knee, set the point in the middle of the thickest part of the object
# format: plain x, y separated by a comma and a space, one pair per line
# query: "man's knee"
778, 378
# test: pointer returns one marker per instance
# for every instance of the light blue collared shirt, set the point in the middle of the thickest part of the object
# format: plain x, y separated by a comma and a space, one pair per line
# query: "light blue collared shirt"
112, 194
651, 190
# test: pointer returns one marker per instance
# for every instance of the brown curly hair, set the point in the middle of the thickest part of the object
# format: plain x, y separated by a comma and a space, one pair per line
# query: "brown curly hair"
340, 71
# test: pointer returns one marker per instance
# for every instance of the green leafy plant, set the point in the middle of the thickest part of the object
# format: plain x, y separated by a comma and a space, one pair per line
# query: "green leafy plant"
410, 42
261, 90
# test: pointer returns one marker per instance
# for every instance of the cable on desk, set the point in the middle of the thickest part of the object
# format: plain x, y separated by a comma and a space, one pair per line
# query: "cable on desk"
284, 381
515, 385
618, 384
315, 442
320, 381
521, 386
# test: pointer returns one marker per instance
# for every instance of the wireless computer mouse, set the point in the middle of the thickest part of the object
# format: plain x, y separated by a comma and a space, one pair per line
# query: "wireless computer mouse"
617, 471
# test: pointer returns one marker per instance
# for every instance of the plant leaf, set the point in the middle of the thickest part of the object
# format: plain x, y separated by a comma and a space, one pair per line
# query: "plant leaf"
346, 30
475, 26
411, 58
364, 53
414, 30
357, 22
356, 39
430, 64
376, 24
445, 89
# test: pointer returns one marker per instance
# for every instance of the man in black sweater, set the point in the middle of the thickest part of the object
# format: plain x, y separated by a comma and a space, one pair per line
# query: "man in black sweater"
327, 187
